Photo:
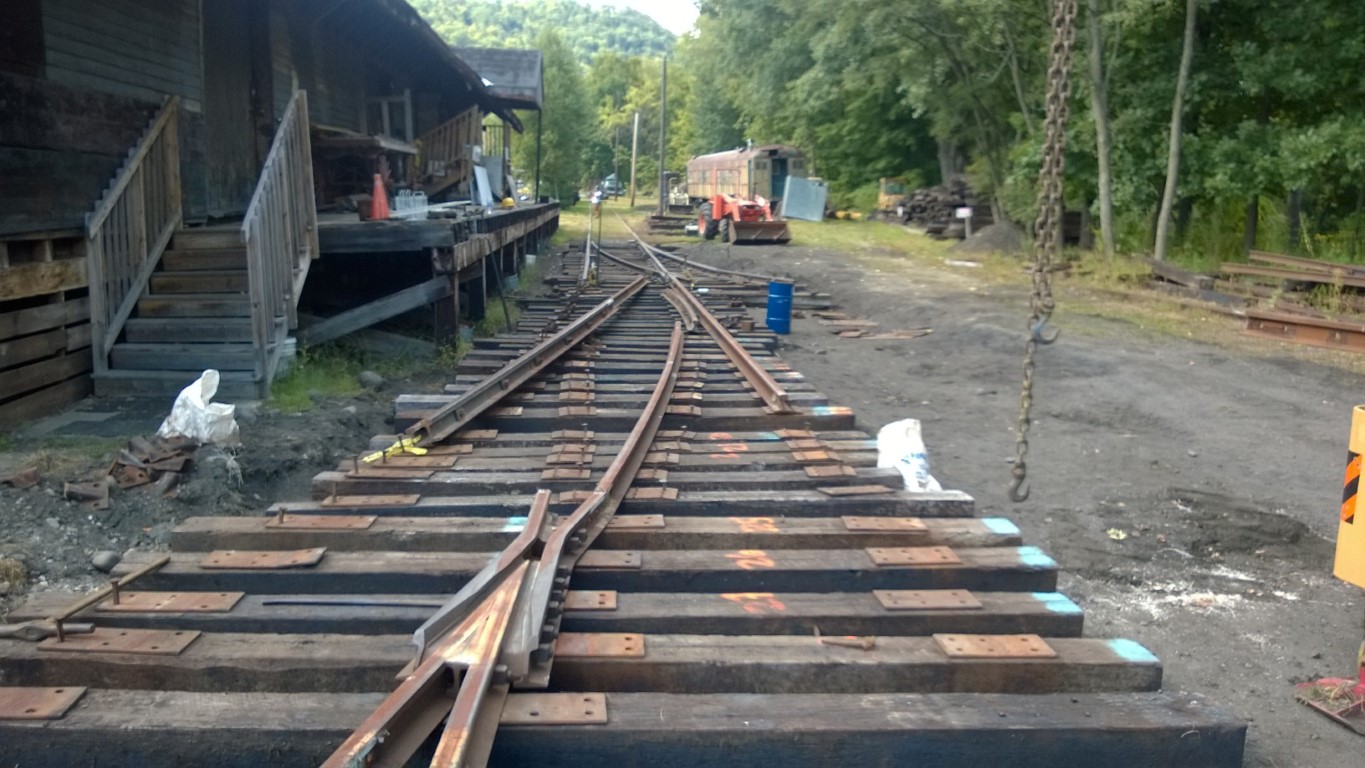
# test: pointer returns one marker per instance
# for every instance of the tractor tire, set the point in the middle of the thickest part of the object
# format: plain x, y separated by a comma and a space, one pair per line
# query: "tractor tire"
705, 224
725, 230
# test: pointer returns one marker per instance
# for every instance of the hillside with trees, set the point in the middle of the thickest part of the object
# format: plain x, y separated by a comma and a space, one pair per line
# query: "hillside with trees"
1203, 129
517, 23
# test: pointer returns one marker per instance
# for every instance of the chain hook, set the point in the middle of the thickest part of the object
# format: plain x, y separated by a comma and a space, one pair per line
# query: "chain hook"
1037, 332
1047, 228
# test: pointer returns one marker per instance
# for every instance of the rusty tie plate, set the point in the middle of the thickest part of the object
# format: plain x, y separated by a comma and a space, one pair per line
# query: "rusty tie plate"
262, 560
926, 599
173, 602
609, 559
37, 703
580, 600
321, 522
143, 642
885, 524
599, 645
995, 647
913, 556
554, 709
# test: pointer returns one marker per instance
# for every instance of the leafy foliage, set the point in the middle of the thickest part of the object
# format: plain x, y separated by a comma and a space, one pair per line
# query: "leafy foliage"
516, 24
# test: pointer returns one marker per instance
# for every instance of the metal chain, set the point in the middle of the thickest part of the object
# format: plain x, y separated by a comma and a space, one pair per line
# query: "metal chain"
1047, 227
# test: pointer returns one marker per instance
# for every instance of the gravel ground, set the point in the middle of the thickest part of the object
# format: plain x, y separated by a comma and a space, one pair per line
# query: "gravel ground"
1188, 488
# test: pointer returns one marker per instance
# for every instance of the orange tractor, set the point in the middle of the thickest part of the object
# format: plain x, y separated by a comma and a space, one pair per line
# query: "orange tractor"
738, 220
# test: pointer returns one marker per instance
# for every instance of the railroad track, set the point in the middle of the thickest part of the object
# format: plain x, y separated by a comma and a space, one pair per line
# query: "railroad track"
609, 540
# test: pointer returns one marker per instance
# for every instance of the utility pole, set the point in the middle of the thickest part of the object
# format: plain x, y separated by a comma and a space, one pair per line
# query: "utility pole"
540, 123
634, 147
663, 137
616, 160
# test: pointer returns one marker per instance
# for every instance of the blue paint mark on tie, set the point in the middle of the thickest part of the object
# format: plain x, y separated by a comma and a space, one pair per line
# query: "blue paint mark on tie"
514, 524
1131, 651
1057, 602
1034, 557
1000, 525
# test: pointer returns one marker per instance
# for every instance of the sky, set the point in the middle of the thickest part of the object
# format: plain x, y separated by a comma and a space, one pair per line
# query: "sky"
676, 16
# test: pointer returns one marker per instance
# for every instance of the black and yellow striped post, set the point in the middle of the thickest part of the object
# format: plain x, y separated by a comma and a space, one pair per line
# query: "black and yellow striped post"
1350, 562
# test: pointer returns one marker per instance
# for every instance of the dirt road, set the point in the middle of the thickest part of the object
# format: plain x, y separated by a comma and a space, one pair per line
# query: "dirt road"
1188, 489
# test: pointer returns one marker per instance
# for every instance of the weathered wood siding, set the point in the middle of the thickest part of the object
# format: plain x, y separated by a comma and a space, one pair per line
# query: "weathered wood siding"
58, 148
229, 134
305, 53
139, 48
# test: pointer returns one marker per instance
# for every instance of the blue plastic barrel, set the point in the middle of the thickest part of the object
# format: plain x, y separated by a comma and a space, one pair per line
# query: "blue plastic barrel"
780, 306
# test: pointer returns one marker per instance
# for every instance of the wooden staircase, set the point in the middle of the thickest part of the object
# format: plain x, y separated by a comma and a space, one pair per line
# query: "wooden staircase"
168, 303
195, 314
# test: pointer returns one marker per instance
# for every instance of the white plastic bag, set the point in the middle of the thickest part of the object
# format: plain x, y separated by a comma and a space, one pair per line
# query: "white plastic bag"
193, 416
900, 445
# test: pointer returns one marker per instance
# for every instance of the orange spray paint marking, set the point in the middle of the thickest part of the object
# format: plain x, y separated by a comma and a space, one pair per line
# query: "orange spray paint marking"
749, 559
757, 603
755, 524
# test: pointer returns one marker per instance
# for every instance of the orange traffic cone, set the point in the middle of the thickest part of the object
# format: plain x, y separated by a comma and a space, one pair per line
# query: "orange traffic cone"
379, 200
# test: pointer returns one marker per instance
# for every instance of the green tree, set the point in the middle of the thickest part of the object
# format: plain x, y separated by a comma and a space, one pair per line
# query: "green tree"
565, 123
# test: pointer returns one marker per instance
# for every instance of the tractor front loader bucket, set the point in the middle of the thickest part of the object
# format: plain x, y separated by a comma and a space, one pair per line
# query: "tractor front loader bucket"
760, 232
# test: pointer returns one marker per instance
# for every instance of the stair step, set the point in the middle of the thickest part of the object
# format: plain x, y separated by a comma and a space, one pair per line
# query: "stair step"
233, 386
182, 357
213, 238
186, 260
229, 281
194, 305
188, 329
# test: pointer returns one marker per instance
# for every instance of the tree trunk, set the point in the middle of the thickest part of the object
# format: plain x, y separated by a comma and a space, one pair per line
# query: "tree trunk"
1294, 213
1252, 221
1018, 80
1099, 105
1163, 222
948, 165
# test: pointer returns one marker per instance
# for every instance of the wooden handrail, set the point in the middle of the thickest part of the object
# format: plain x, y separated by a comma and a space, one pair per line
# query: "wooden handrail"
130, 227
447, 145
281, 236
95, 218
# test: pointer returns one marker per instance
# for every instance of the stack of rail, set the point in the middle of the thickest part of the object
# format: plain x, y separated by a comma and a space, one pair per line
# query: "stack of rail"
1293, 286
763, 593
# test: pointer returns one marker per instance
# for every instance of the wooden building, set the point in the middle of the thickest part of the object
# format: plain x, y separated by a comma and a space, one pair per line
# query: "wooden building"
162, 163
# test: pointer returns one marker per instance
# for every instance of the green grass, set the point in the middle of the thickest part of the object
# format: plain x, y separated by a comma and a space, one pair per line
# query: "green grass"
328, 370
573, 222
332, 370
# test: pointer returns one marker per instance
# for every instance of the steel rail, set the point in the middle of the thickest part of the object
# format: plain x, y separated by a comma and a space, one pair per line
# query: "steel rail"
499, 629
703, 267
765, 386
451, 417
573, 535
670, 294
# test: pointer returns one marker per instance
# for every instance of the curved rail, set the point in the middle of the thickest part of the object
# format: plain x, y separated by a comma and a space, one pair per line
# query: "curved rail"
449, 419
500, 628
765, 386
